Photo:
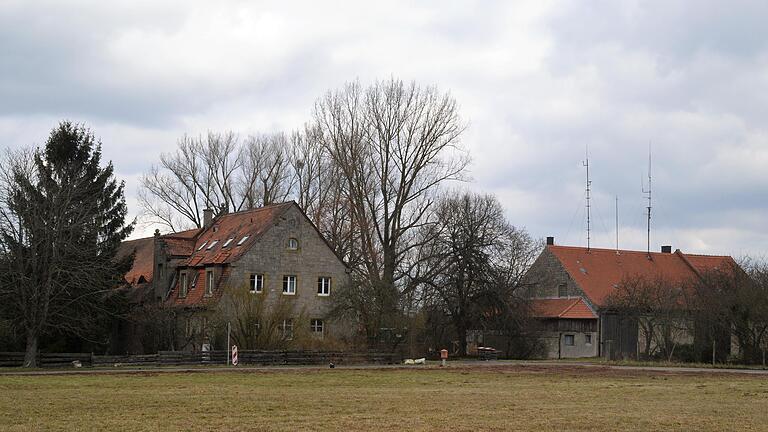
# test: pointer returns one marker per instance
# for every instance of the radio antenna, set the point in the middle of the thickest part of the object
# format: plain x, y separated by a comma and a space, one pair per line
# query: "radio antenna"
588, 189
617, 224
648, 193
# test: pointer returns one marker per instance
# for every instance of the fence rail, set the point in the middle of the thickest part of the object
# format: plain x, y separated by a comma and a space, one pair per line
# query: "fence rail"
183, 358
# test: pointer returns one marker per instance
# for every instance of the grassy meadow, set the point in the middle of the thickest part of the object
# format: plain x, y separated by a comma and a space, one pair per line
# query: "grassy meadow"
429, 399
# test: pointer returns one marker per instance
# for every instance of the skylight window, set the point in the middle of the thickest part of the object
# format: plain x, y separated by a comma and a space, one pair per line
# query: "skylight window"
242, 240
226, 243
202, 245
213, 243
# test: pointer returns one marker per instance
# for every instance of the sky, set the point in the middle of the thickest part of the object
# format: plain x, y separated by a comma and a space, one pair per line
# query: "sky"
538, 82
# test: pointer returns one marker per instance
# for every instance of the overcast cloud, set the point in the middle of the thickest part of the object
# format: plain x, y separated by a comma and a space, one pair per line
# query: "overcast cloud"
537, 81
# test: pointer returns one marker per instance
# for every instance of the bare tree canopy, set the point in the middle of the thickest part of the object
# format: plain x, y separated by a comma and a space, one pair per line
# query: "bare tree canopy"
472, 262
393, 145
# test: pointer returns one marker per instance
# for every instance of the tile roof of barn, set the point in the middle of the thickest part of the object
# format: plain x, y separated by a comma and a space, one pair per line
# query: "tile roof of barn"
571, 308
599, 271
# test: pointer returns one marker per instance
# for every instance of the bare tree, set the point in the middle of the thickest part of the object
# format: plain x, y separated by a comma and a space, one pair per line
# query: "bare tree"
656, 304
733, 299
393, 144
473, 262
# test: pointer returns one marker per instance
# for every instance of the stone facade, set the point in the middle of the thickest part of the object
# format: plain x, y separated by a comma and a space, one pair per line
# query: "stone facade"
270, 256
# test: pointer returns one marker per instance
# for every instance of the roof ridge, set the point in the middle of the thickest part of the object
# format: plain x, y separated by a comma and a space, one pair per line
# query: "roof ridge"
254, 210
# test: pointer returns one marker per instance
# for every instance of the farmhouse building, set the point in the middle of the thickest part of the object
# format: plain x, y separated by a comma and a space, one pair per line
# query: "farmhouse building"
569, 287
272, 256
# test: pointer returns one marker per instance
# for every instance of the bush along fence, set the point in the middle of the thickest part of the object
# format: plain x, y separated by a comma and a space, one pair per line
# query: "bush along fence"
182, 358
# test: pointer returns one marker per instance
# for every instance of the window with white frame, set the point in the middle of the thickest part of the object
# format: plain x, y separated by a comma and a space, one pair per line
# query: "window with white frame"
184, 286
209, 282
569, 340
289, 284
257, 283
316, 325
293, 244
324, 286
286, 329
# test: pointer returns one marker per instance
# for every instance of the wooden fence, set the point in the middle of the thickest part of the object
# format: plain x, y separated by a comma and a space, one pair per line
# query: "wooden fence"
182, 358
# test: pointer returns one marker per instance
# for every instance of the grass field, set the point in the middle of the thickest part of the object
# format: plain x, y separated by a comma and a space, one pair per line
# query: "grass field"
480, 398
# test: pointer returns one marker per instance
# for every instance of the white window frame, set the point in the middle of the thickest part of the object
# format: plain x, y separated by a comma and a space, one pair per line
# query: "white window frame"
202, 245
324, 286
287, 284
213, 243
242, 240
286, 329
209, 279
293, 243
256, 283
227, 243
317, 326
184, 285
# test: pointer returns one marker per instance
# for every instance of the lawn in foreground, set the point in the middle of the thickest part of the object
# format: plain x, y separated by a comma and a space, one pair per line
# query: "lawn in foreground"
502, 398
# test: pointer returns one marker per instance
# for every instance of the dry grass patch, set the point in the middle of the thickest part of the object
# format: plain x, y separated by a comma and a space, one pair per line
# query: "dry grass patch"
503, 398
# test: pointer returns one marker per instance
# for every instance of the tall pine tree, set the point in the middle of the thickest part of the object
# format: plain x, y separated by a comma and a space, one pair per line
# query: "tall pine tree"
63, 222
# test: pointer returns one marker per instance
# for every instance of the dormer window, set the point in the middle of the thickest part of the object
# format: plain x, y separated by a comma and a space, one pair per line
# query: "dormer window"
242, 240
226, 243
213, 243
293, 244
202, 245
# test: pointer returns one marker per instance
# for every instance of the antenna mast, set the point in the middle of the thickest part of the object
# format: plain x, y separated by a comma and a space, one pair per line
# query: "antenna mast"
588, 189
648, 192
617, 224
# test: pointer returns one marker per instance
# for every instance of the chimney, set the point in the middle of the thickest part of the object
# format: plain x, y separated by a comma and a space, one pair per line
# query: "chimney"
550, 241
207, 217
666, 249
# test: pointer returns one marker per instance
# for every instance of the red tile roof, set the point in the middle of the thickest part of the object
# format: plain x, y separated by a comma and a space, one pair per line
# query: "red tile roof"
181, 243
235, 226
571, 308
599, 271
141, 270
196, 295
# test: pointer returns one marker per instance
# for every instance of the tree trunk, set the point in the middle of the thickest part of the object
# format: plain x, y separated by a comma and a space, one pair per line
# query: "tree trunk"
461, 333
30, 355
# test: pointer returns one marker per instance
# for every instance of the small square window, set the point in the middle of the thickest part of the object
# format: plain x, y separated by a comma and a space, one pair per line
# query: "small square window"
569, 340
316, 325
257, 283
323, 286
293, 244
588, 339
289, 285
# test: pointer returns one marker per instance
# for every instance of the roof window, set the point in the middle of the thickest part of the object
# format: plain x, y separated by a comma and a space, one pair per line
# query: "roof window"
213, 243
242, 240
226, 243
202, 245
